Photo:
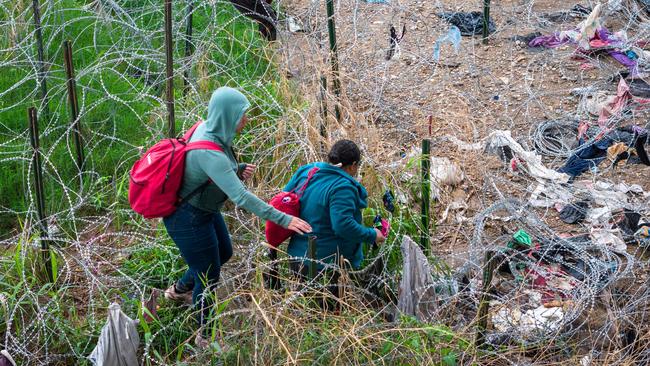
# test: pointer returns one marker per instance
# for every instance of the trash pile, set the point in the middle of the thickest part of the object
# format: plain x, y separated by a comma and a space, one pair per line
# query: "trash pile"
575, 232
570, 238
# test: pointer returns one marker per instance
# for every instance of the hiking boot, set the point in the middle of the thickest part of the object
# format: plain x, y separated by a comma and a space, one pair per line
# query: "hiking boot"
181, 297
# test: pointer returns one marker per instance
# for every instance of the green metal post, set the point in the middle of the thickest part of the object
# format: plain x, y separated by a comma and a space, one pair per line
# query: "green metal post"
40, 196
41, 59
171, 123
486, 20
189, 47
74, 103
334, 58
484, 303
323, 108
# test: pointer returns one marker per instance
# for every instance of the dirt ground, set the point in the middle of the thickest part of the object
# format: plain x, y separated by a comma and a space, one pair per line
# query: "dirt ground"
481, 88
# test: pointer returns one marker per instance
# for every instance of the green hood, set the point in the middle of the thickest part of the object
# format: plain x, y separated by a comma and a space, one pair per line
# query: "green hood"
226, 108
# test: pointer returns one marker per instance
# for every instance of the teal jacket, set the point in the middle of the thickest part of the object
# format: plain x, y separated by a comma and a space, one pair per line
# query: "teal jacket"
225, 110
332, 205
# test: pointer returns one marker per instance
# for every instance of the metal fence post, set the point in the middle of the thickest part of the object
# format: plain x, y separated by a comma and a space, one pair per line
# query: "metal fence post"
169, 51
40, 197
74, 103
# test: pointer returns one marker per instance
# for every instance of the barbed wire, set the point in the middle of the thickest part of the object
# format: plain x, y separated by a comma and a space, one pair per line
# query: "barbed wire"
598, 292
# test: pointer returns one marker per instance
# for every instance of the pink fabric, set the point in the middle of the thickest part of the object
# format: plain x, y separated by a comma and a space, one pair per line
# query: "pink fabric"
613, 108
598, 43
385, 227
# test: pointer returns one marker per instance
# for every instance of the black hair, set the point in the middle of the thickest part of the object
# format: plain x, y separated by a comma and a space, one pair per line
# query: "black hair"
344, 152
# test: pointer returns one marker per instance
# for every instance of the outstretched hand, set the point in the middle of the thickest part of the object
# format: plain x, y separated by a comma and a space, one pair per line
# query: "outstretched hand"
299, 225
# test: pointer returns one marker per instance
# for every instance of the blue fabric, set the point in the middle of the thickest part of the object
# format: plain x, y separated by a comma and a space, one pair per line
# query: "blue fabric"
332, 205
586, 157
452, 37
204, 242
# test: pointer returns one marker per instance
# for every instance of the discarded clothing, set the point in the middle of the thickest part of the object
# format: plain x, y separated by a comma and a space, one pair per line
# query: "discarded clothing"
644, 231
389, 201
577, 11
592, 133
550, 283
497, 140
604, 41
625, 60
609, 239
614, 151
610, 196
574, 213
588, 156
615, 106
394, 41
525, 39
469, 24
627, 222
261, 12
589, 27
588, 40
118, 342
639, 145
623, 151
452, 37
639, 88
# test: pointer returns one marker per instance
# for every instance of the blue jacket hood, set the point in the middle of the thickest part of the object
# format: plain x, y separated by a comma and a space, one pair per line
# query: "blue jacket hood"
325, 169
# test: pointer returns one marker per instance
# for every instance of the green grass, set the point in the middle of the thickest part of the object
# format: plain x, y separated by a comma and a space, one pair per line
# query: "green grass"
119, 112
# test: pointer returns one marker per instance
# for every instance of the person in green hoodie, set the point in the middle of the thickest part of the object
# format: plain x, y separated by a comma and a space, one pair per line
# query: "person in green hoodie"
197, 226
332, 203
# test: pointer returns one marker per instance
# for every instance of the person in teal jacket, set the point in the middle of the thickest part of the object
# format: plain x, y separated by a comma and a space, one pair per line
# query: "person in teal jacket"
332, 204
197, 226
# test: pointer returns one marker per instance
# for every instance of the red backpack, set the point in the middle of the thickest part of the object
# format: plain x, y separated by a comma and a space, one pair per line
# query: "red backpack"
156, 178
289, 203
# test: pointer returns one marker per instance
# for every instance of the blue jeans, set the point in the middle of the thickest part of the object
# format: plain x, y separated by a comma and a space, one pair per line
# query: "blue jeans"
204, 242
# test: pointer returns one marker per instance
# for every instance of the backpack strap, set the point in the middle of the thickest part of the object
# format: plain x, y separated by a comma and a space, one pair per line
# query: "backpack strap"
199, 145
301, 190
188, 134
203, 145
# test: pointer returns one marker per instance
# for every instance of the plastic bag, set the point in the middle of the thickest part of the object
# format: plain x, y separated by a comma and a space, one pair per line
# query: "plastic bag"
119, 341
